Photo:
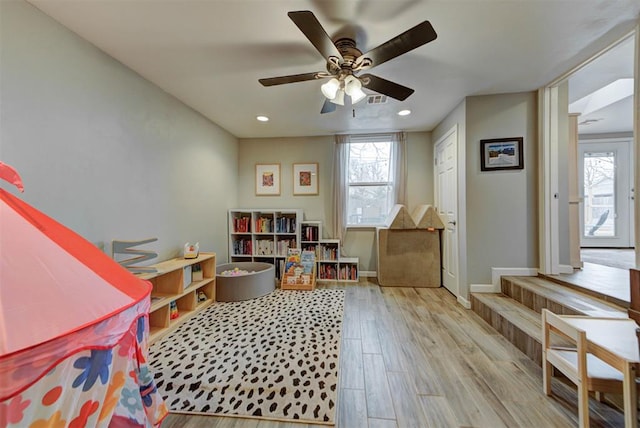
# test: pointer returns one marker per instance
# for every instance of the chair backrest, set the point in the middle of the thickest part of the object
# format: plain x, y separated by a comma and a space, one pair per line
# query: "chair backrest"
558, 325
578, 338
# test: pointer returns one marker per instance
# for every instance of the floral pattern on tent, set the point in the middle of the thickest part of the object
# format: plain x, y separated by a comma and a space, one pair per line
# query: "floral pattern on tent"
94, 387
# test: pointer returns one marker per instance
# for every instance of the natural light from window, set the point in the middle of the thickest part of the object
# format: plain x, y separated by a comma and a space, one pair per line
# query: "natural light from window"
370, 182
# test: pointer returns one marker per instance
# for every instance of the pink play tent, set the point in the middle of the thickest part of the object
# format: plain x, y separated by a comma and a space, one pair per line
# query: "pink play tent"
73, 328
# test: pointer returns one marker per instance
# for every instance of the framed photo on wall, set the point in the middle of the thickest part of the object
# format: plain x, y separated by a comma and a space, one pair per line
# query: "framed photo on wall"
267, 179
305, 179
501, 153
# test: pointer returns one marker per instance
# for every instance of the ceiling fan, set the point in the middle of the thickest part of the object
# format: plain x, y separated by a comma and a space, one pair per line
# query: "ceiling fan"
345, 61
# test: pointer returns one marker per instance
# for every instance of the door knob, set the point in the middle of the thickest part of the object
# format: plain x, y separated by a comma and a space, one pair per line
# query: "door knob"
453, 222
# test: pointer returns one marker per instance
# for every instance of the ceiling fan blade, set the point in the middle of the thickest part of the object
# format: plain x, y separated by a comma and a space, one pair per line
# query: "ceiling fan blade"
385, 87
271, 81
310, 26
328, 107
412, 38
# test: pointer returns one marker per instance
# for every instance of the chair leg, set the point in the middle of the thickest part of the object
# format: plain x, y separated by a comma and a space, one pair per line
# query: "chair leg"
547, 370
583, 406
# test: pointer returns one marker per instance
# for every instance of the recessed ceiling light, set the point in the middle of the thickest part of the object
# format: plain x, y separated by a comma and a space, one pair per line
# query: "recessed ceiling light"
262, 118
404, 112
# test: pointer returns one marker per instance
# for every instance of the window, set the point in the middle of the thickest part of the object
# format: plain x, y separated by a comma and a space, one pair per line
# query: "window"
370, 180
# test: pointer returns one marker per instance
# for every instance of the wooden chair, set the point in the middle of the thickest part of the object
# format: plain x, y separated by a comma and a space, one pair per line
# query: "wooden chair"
586, 371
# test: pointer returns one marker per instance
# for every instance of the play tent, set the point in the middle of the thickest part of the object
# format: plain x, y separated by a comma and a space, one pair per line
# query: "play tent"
73, 329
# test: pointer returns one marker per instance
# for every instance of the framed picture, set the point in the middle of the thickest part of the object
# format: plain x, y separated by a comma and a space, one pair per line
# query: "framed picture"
267, 179
501, 153
305, 179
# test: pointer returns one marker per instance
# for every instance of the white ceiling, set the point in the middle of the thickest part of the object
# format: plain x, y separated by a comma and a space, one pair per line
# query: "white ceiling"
211, 53
616, 63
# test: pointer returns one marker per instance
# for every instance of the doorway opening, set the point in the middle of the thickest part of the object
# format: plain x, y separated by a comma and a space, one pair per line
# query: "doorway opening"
602, 92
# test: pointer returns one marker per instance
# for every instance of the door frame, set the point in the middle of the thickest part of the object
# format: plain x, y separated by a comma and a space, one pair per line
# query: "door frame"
462, 295
548, 111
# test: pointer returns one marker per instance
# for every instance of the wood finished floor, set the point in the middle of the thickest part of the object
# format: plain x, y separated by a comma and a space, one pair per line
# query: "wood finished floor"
415, 358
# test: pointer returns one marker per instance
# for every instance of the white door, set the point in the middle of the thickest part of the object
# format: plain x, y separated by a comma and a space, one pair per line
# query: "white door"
606, 215
446, 201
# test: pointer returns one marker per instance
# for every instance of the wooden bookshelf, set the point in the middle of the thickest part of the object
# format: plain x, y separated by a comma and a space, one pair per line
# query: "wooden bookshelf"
173, 282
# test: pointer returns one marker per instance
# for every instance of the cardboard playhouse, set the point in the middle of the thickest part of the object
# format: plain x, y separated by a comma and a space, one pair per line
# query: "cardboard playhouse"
409, 251
73, 329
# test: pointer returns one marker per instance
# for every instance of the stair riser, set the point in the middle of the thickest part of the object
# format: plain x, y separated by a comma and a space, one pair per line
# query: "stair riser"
532, 300
521, 340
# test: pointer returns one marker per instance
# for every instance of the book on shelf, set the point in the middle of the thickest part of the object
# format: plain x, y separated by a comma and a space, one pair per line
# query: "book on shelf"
284, 245
329, 253
286, 225
242, 247
241, 224
264, 247
348, 272
264, 225
310, 233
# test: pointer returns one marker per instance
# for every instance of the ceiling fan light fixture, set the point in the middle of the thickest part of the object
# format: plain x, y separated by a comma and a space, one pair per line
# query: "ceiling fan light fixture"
339, 98
353, 88
357, 95
330, 89
262, 118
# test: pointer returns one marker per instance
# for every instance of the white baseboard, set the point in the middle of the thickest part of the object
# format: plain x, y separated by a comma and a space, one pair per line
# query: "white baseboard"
464, 302
482, 288
496, 273
368, 273
568, 269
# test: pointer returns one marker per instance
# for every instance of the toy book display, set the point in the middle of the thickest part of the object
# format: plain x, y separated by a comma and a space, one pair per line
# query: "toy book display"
300, 270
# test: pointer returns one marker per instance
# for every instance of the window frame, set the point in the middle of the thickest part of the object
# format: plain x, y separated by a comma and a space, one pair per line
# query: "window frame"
390, 182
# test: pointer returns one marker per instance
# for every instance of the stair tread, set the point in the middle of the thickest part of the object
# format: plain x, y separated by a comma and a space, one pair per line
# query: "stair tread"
568, 297
527, 320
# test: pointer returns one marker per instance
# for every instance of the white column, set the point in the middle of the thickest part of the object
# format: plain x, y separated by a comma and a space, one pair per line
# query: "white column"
574, 193
636, 141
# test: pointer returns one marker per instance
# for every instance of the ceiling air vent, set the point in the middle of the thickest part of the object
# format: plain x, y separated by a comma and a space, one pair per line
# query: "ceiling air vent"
377, 99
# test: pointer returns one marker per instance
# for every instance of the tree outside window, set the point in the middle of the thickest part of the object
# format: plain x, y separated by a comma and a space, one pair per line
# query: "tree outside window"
599, 181
370, 182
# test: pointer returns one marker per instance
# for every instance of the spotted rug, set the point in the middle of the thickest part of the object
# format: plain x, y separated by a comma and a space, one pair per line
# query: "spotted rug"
274, 357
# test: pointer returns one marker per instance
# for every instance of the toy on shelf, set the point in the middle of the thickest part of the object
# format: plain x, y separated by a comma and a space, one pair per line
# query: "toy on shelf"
191, 251
173, 310
123, 248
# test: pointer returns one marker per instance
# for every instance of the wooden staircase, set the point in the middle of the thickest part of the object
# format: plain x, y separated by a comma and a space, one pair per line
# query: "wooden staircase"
515, 312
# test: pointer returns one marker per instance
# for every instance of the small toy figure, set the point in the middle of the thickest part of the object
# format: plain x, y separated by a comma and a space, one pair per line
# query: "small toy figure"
173, 310
191, 251
201, 296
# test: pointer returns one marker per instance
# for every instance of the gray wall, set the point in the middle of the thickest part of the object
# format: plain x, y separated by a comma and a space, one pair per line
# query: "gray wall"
497, 211
501, 205
103, 150
287, 151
